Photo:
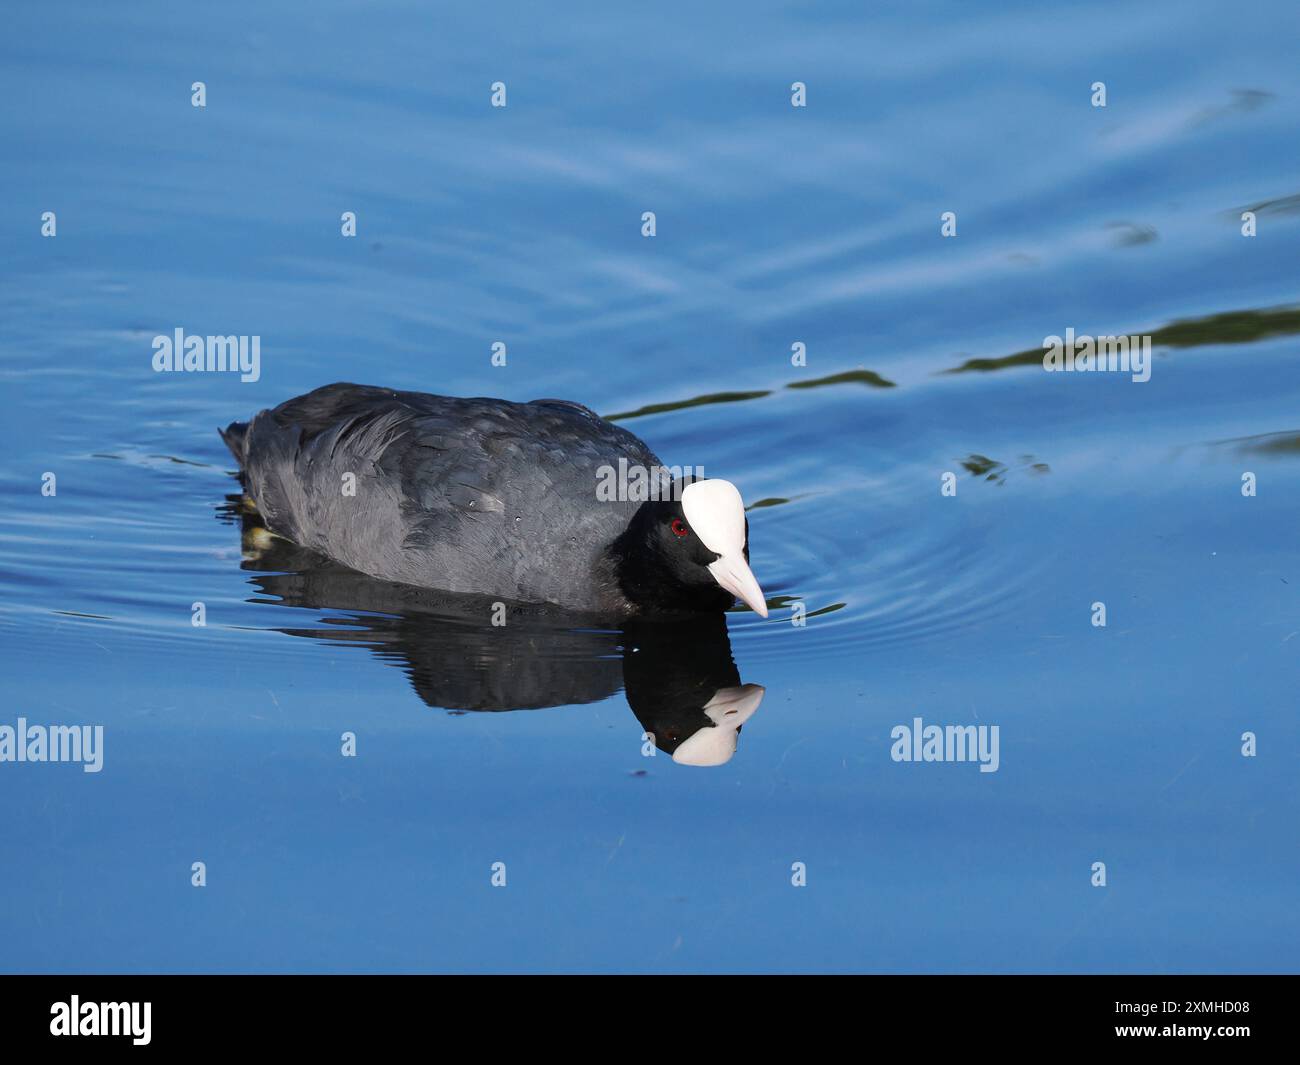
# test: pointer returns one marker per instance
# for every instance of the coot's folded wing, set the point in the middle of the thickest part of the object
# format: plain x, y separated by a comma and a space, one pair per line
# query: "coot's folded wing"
473, 495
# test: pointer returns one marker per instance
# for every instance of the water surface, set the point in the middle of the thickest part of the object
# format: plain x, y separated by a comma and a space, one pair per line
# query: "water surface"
775, 226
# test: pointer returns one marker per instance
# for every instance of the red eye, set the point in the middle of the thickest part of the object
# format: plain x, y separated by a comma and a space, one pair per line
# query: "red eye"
679, 527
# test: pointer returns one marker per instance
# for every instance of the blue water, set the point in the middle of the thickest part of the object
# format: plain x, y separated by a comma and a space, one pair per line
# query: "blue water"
775, 225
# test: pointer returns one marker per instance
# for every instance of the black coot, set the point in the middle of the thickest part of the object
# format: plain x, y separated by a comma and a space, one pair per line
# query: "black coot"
494, 498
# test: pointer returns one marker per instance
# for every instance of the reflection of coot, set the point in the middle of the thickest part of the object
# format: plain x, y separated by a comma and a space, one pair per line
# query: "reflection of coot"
677, 671
447, 645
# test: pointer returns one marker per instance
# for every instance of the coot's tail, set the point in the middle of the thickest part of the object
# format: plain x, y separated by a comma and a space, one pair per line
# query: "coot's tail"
234, 435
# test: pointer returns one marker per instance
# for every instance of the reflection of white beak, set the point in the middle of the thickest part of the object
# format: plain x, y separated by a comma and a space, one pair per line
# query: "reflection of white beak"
728, 710
734, 574
715, 511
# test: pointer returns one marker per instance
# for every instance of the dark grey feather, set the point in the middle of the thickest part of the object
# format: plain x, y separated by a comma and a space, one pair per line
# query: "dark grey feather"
466, 495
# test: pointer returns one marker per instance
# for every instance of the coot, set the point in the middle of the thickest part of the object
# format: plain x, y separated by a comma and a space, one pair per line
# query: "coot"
494, 498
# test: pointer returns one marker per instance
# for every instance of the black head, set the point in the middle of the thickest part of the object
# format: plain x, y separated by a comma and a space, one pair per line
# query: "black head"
690, 553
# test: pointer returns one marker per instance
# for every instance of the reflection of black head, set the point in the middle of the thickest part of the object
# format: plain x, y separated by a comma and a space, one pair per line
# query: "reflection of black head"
671, 667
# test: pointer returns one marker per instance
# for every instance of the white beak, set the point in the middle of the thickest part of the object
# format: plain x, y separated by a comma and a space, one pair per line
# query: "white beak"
714, 509
734, 574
